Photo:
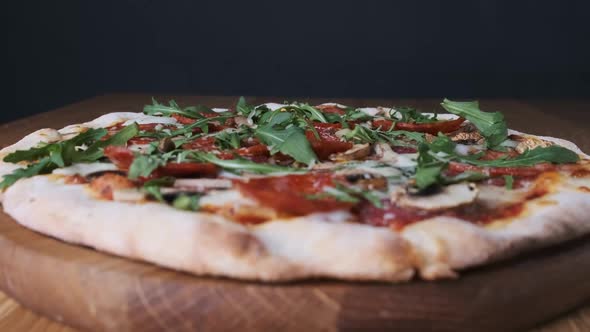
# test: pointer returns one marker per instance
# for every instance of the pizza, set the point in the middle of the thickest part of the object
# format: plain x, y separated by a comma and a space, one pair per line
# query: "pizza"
280, 192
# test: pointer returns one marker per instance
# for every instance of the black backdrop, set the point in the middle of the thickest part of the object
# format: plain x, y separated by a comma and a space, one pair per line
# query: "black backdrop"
63, 51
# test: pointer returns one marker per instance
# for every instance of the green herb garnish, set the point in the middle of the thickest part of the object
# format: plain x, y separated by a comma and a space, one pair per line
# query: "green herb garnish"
509, 181
242, 165
348, 194
187, 202
83, 148
491, 125
193, 112
290, 141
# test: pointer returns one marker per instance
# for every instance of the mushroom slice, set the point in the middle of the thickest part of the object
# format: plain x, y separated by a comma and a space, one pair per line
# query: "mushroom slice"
530, 142
472, 137
448, 197
358, 151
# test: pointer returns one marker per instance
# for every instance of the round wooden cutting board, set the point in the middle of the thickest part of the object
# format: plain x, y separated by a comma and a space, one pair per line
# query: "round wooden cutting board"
96, 291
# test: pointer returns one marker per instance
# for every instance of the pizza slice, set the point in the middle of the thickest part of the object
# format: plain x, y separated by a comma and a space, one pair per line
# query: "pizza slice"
290, 191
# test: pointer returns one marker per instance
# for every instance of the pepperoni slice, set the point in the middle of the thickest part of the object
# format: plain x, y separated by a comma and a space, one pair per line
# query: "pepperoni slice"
213, 126
331, 109
201, 144
287, 194
122, 157
190, 169
328, 143
397, 217
389, 215
430, 128
183, 119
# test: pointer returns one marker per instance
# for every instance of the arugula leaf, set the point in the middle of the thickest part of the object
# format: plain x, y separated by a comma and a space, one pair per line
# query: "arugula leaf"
410, 114
553, 154
152, 187
201, 123
491, 125
290, 141
431, 163
348, 194
509, 181
67, 147
187, 202
241, 164
312, 112
364, 134
193, 112
43, 166
353, 114
143, 165
94, 152
243, 108
443, 144
228, 140
30, 154
429, 169
337, 194
276, 117
85, 147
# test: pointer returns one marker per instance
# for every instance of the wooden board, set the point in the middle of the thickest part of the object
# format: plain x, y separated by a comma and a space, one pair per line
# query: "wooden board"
96, 291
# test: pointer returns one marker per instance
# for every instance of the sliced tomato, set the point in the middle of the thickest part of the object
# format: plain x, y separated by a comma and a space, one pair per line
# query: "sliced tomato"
201, 144
430, 128
331, 109
328, 143
253, 151
288, 194
192, 169
121, 156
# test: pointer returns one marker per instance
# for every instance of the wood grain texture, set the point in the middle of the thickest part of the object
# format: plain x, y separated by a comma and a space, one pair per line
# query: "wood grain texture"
96, 291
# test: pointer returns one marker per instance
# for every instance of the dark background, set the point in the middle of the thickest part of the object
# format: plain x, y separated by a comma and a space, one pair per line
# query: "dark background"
63, 51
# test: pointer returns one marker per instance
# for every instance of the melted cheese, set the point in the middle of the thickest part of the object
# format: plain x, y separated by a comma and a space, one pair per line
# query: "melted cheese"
273, 106
450, 196
223, 198
85, 169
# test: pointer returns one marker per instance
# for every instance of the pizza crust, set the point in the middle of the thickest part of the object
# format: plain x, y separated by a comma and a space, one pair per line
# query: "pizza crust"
315, 246
447, 244
321, 245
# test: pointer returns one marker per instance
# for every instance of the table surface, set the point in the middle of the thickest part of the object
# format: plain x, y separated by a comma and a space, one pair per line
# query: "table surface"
548, 115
